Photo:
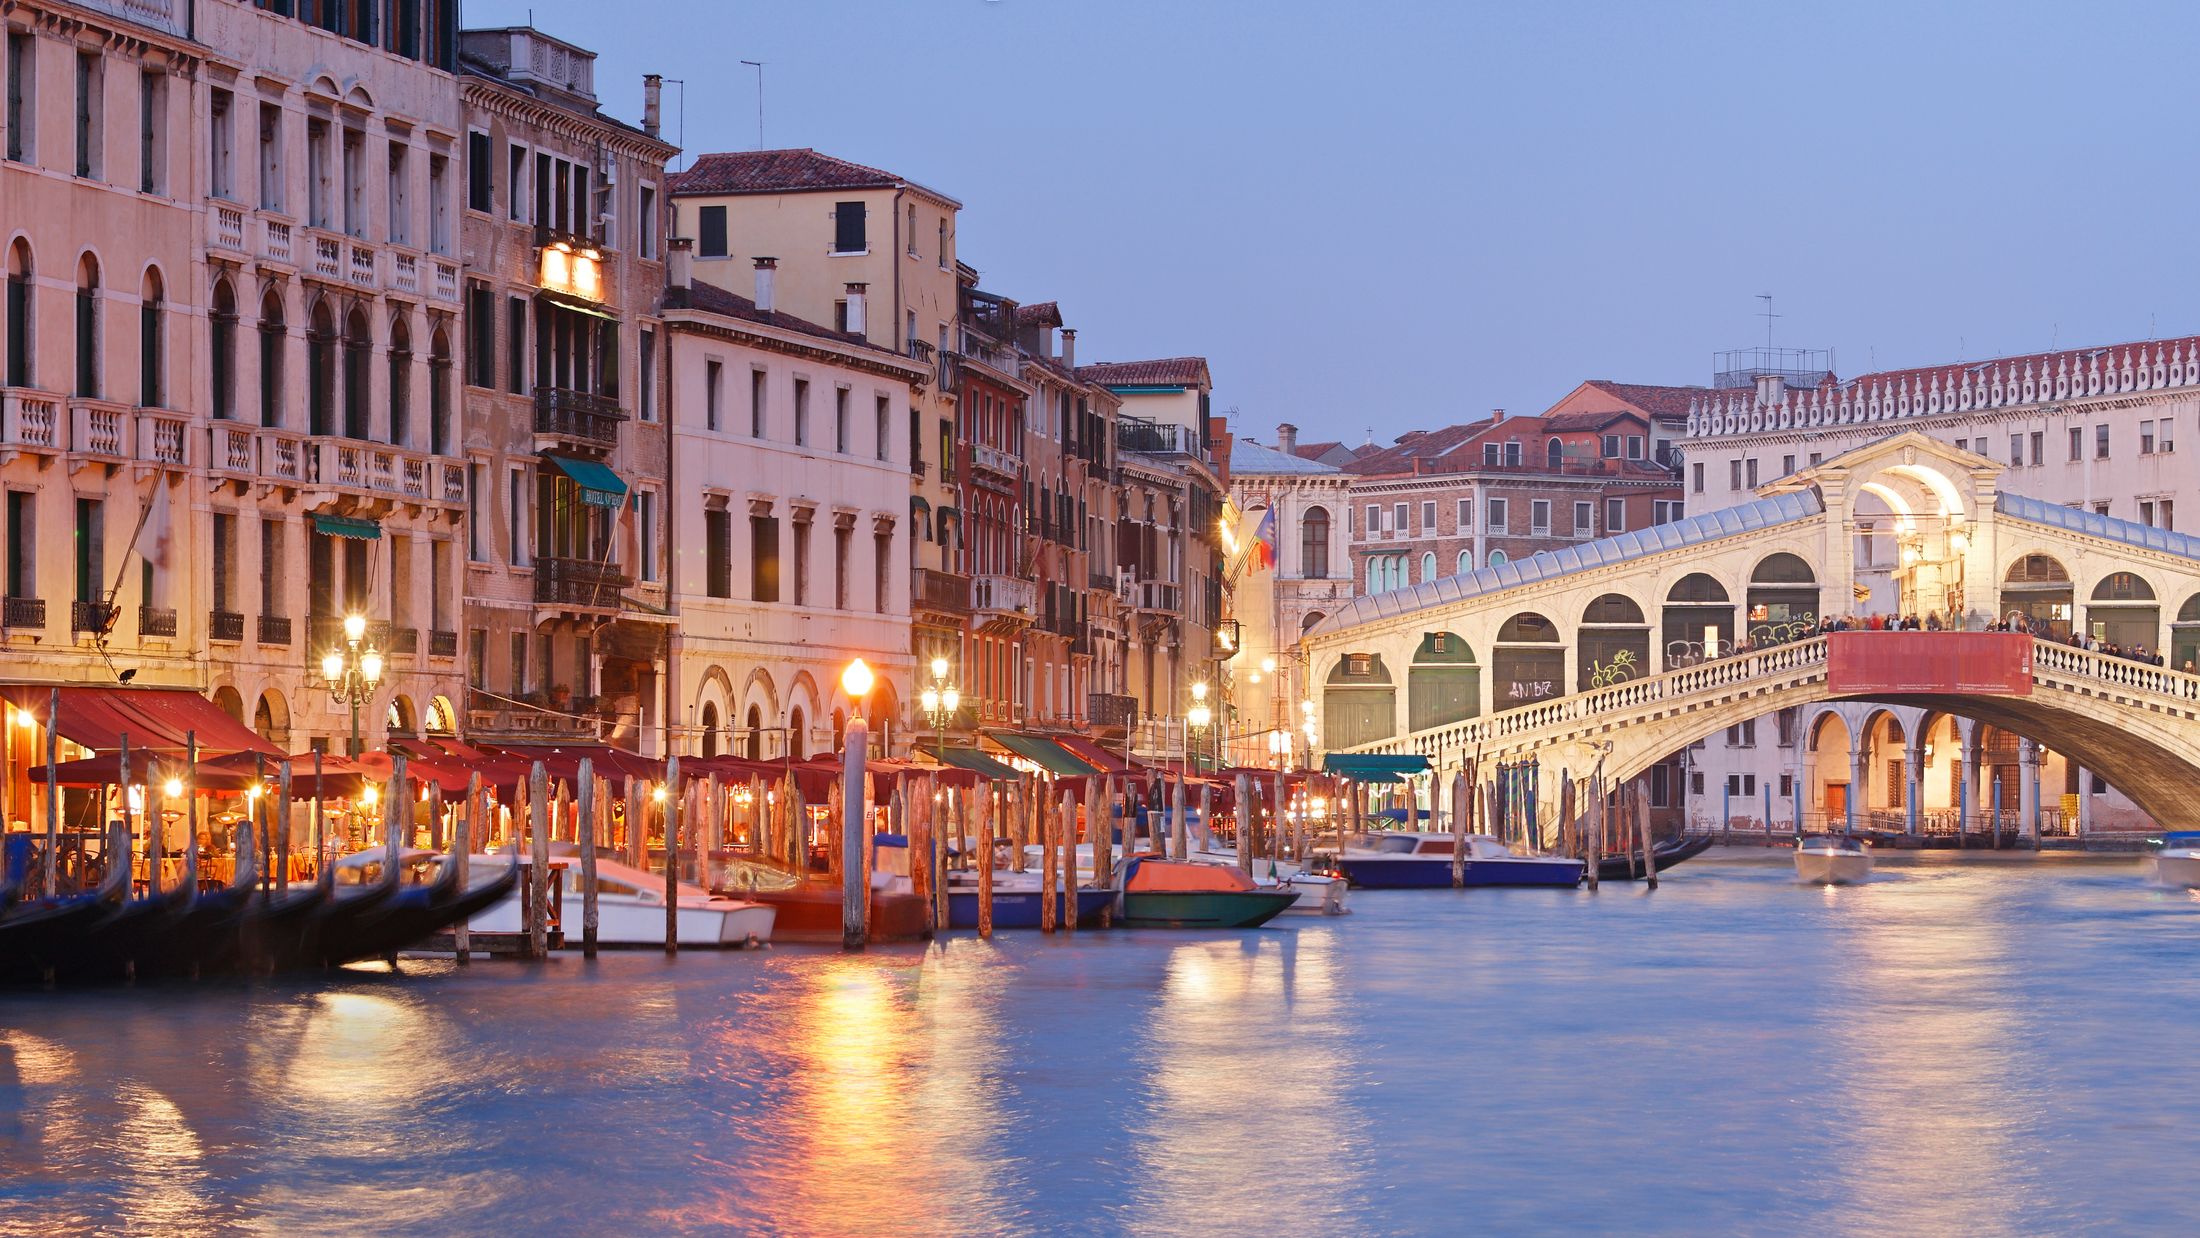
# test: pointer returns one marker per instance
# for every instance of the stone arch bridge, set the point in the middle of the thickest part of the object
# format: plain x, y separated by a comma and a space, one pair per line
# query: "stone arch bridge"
1633, 647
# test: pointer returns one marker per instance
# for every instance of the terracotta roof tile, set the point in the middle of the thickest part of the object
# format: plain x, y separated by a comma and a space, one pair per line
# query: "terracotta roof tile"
780, 171
1164, 372
1663, 402
710, 298
1044, 314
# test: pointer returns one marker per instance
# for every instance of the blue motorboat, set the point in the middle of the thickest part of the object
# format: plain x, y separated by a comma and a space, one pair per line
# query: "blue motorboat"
1017, 902
1420, 859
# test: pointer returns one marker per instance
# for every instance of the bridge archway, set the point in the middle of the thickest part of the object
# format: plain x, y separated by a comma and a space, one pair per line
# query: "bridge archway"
1443, 684
2184, 636
2037, 589
2123, 611
1613, 644
1359, 702
1783, 599
1528, 663
1698, 620
1828, 766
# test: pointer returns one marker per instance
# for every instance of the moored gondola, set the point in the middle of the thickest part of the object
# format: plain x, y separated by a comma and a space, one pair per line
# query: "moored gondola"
417, 910
37, 936
1625, 868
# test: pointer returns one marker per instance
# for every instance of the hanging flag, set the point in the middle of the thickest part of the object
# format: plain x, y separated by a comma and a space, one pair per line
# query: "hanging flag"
159, 537
1264, 540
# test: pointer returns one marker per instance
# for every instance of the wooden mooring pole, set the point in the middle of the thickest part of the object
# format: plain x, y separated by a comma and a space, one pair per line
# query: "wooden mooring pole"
538, 851
462, 847
672, 855
585, 792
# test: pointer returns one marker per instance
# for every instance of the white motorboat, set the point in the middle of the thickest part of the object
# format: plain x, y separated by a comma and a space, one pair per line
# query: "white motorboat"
630, 909
1320, 894
1832, 860
2177, 860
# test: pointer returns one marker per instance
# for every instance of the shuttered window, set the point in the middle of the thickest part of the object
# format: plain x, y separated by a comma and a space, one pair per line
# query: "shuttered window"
848, 232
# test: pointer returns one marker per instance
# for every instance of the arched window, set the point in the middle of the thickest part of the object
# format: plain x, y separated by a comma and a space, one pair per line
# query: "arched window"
439, 392
756, 733
1314, 544
19, 314
1428, 566
1466, 562
358, 421
401, 359
87, 326
151, 308
798, 736
321, 371
221, 361
271, 359
1554, 454
1498, 558
710, 730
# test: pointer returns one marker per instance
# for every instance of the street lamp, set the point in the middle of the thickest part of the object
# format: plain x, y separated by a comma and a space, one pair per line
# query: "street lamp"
940, 700
1196, 719
353, 671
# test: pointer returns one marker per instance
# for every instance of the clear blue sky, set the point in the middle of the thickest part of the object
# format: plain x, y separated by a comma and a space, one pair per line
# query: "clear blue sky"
1402, 215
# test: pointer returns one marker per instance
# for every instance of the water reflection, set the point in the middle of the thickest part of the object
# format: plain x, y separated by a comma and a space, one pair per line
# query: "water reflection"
1926, 1077
1247, 1124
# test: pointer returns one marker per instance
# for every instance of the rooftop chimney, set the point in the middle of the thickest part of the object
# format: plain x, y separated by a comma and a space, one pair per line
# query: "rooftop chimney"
1771, 388
680, 265
764, 269
1069, 349
1287, 438
855, 308
1497, 414
653, 85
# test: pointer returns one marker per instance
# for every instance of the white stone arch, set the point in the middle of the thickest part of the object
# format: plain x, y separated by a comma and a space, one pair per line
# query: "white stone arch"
802, 696
758, 699
714, 689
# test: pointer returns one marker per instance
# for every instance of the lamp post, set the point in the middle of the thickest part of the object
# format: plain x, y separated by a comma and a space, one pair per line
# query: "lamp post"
940, 701
353, 671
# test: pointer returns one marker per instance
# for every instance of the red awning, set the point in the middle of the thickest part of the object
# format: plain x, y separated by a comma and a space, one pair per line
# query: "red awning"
1094, 754
341, 777
105, 770
154, 719
504, 767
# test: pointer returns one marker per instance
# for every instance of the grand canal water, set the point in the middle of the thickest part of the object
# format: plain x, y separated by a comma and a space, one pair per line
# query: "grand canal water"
1957, 1047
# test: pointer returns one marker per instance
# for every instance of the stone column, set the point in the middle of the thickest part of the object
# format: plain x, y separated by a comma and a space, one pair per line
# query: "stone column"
1859, 780
1481, 527
1967, 788
2028, 788
1913, 780
2085, 802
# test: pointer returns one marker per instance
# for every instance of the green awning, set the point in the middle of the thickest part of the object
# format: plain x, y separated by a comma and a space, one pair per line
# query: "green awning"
347, 526
599, 485
983, 765
1373, 767
1044, 753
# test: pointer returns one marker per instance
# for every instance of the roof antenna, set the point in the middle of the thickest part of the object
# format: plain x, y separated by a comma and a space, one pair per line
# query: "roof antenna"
758, 65
682, 140
1767, 314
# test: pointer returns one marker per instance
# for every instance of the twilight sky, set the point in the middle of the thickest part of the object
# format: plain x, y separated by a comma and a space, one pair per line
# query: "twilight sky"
1403, 215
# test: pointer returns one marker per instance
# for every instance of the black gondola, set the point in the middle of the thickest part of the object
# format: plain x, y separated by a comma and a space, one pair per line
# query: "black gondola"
109, 947
417, 911
37, 937
1667, 854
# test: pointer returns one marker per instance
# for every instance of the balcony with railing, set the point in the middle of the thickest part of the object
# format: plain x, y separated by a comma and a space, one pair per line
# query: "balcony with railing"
33, 420
1111, 712
995, 460
404, 642
1003, 603
91, 616
581, 420
157, 621
351, 465
225, 625
532, 715
442, 644
582, 583
1103, 582
23, 613
943, 593
275, 630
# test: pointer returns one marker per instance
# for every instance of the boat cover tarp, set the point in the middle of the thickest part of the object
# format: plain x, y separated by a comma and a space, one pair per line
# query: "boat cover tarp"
1091, 753
979, 763
1147, 876
155, 719
1374, 766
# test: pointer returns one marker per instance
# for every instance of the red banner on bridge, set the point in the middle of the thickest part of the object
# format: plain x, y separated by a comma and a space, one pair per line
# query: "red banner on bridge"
1973, 663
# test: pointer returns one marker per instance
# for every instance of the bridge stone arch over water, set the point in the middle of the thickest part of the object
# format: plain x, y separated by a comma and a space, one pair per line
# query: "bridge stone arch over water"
1667, 635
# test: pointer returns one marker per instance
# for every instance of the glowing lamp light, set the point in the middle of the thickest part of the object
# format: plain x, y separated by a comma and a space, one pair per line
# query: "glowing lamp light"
1253, 676
1198, 717
172, 788
930, 700
355, 627
1307, 707
951, 700
1268, 666
370, 665
370, 795
332, 667
253, 791
939, 668
856, 681
1199, 690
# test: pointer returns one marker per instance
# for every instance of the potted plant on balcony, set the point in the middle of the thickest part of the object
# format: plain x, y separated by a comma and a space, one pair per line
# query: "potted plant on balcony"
561, 696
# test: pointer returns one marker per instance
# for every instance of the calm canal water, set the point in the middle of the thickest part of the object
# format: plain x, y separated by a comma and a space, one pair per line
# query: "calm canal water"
1958, 1047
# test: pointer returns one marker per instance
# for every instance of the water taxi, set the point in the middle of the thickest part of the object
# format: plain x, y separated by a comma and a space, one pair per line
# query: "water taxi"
1421, 859
1832, 860
2177, 859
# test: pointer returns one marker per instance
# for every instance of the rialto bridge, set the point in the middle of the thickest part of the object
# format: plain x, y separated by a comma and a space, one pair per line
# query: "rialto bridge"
1631, 648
